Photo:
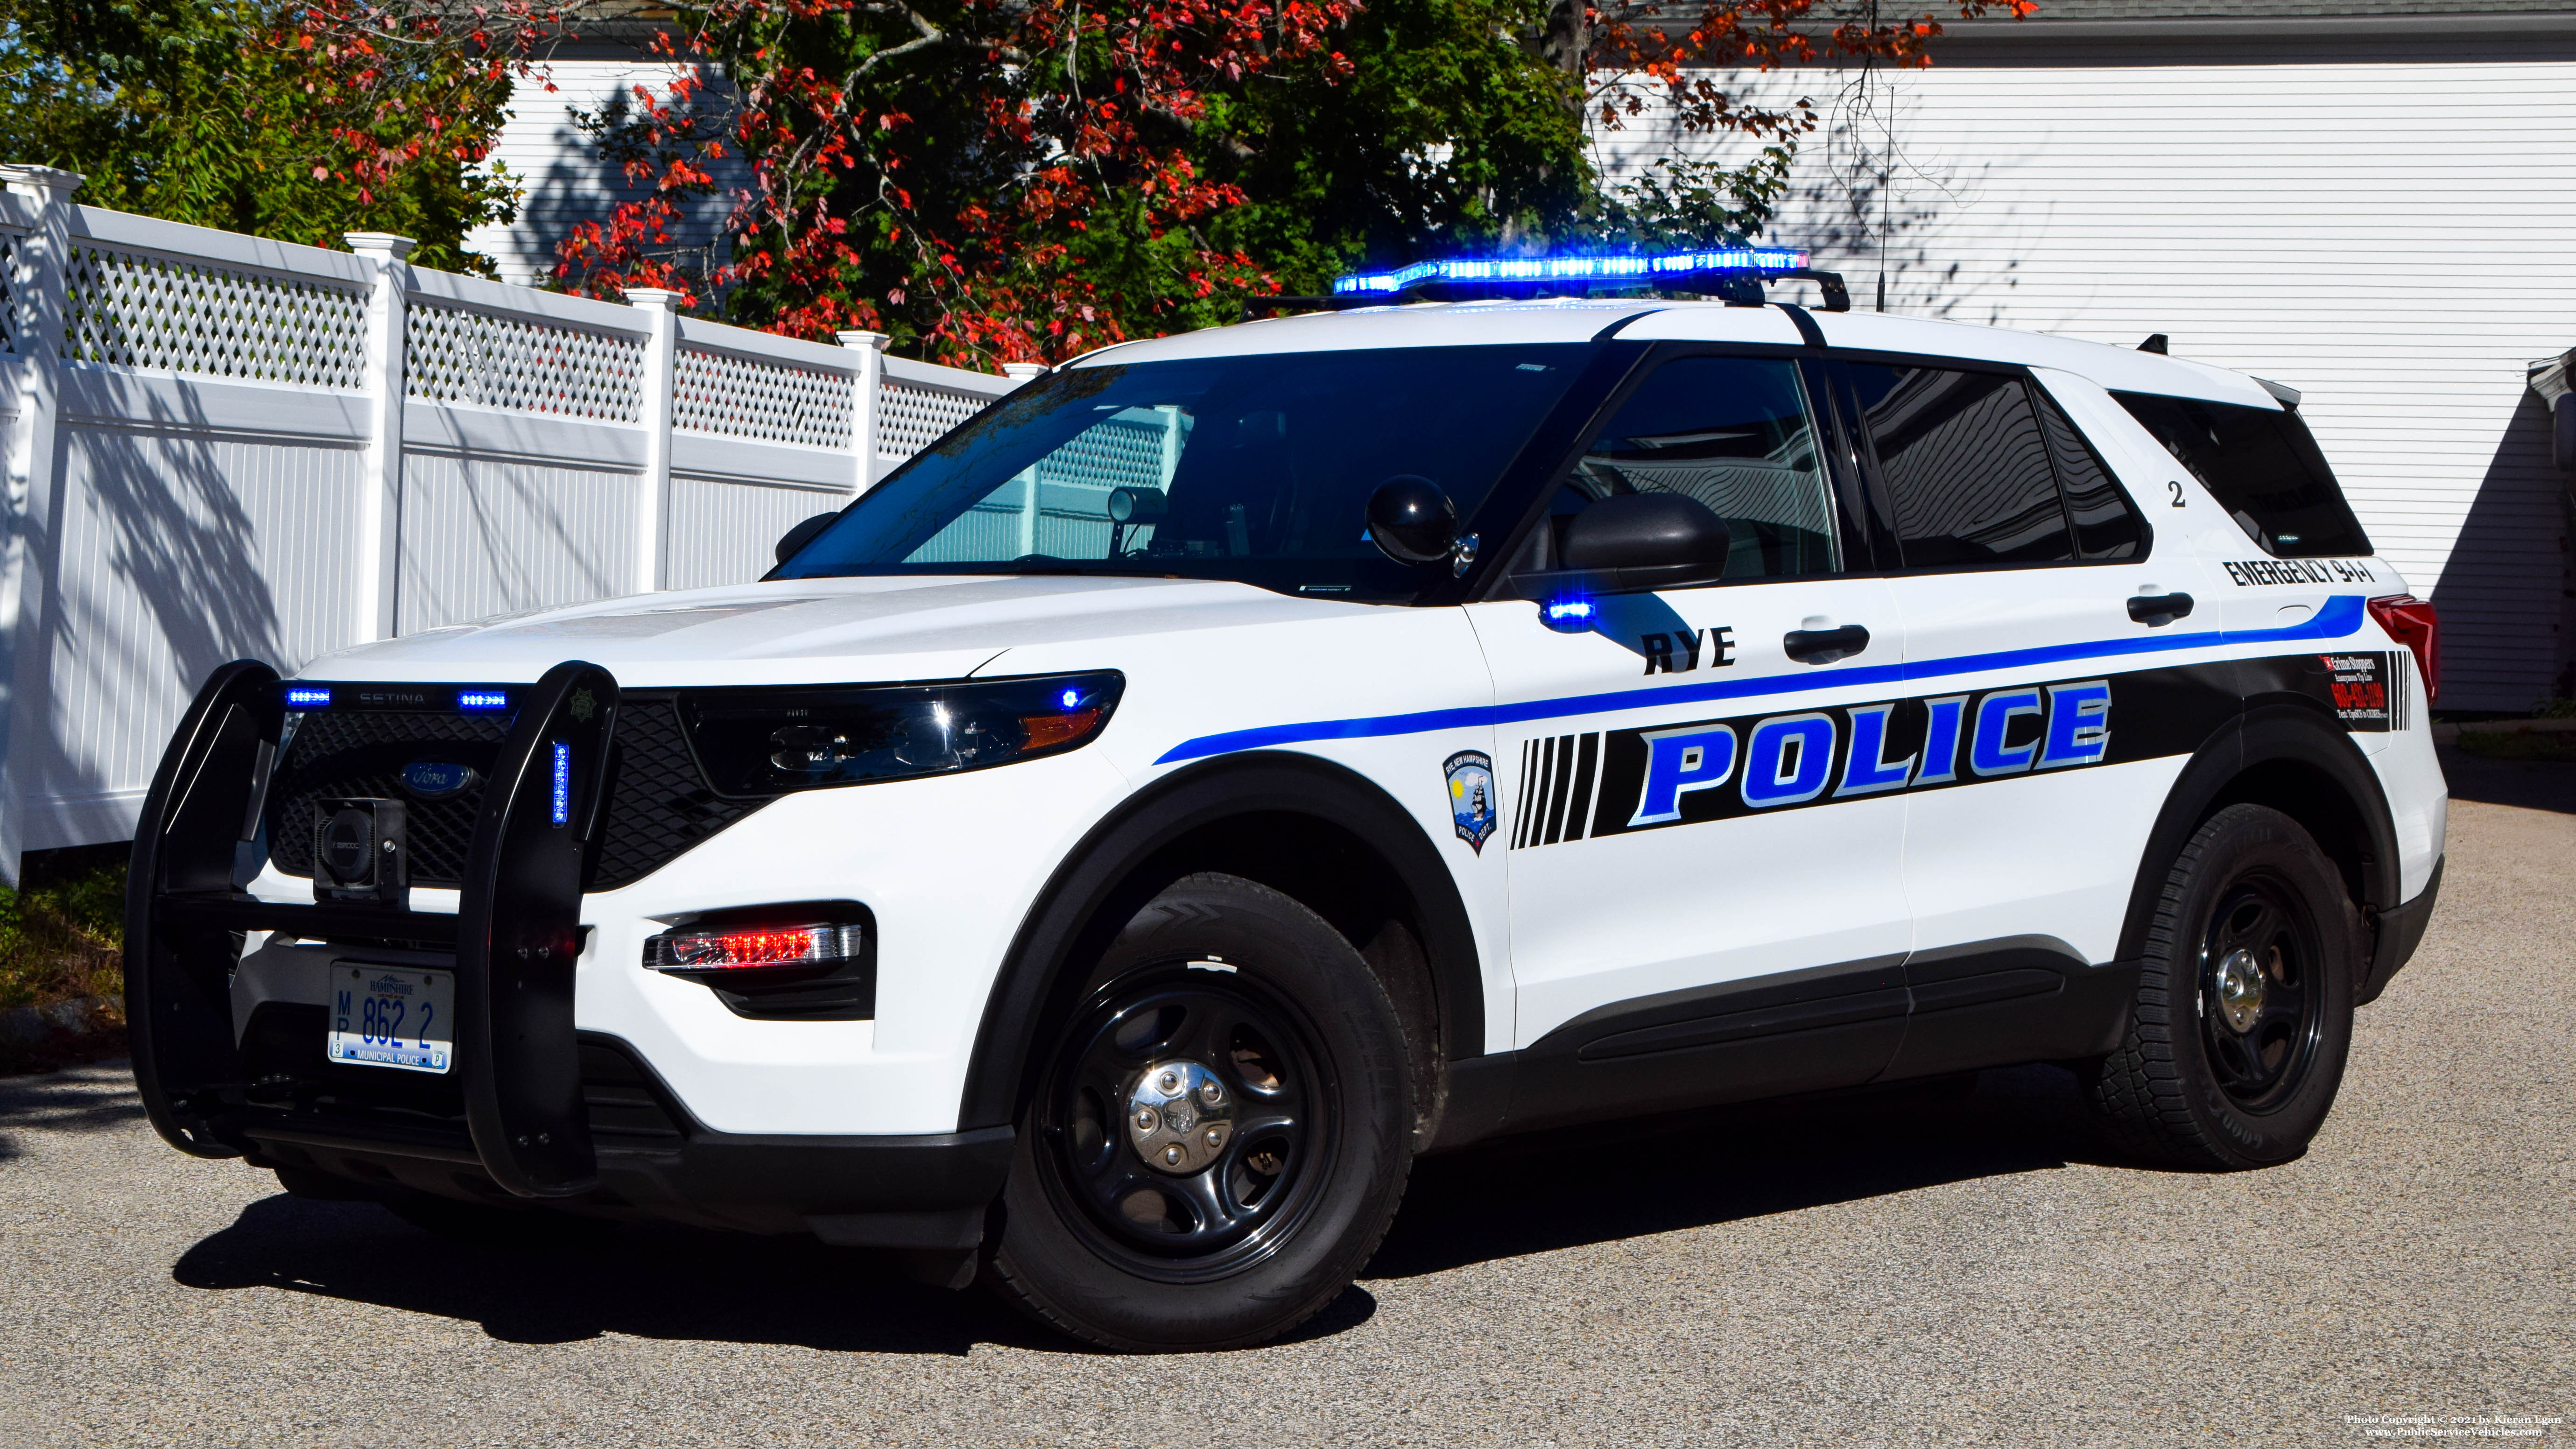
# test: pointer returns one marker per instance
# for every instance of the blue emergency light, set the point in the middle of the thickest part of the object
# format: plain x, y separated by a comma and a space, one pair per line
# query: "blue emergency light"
1608, 267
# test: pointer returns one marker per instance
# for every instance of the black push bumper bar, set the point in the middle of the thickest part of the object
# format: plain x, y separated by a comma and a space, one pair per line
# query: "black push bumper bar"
516, 932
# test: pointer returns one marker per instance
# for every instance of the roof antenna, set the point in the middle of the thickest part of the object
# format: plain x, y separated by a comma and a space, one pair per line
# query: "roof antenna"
2155, 343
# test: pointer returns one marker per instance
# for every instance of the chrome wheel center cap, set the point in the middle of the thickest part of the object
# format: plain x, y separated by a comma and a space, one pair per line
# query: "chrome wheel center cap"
2240, 990
1179, 1117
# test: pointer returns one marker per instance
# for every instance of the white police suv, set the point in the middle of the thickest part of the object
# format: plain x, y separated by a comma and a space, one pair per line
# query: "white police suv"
1103, 856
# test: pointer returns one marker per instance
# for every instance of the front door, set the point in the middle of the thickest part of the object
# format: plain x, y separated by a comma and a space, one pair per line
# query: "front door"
1705, 848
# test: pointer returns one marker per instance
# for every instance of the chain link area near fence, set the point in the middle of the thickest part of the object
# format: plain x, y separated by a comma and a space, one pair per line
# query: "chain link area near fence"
912, 418
129, 309
716, 392
459, 355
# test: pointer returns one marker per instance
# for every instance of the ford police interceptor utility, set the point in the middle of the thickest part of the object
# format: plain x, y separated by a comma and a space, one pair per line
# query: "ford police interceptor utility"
1101, 857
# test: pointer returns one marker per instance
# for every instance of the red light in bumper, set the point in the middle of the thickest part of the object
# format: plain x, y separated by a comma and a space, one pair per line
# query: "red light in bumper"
746, 948
2411, 622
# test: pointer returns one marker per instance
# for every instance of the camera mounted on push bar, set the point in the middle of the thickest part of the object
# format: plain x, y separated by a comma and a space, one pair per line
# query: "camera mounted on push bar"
360, 853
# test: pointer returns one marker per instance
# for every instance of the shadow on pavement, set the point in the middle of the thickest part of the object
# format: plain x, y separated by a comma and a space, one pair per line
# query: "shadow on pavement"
81, 1099
601, 1278
1516, 1197
2530, 784
1622, 1180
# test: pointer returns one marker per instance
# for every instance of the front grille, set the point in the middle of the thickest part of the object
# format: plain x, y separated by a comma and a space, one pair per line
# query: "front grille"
659, 804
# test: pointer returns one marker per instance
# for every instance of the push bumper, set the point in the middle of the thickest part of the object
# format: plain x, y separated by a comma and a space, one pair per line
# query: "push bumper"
533, 1109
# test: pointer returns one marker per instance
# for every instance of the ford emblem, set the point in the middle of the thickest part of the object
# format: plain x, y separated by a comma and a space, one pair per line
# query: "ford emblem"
436, 779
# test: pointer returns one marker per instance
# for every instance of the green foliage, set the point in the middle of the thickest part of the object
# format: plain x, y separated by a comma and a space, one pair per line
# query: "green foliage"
216, 113
61, 929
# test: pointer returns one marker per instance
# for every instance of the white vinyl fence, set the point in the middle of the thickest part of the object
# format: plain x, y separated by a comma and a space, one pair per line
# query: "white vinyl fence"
218, 446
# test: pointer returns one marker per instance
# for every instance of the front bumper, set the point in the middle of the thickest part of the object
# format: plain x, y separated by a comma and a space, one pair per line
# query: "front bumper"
535, 1108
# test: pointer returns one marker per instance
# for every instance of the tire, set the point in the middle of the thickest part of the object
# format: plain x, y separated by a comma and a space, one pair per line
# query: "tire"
2236, 1042
1268, 1065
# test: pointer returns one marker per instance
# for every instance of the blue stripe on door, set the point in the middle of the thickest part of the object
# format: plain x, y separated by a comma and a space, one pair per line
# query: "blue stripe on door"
2339, 618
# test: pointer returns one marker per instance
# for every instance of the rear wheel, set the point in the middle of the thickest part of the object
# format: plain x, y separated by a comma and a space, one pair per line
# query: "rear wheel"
1218, 1137
2236, 1042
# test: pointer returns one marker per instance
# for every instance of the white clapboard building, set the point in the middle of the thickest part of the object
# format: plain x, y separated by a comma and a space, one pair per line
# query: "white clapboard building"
2371, 201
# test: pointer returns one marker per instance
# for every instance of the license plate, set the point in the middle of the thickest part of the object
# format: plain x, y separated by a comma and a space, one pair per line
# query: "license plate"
392, 1016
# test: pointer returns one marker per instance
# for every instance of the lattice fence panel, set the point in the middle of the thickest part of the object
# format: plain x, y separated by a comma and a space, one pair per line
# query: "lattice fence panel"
133, 310
913, 417
734, 396
458, 355
8, 295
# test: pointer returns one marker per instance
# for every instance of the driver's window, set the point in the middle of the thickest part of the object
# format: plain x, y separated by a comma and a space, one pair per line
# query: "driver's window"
1733, 433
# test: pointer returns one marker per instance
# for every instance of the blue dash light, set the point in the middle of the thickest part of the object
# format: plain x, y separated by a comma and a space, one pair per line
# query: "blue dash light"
1604, 268
1569, 616
559, 807
481, 701
307, 696
1069, 699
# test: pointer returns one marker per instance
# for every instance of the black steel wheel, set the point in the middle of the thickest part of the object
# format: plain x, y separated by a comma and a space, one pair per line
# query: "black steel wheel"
1219, 1135
1181, 1119
2261, 1010
2236, 1041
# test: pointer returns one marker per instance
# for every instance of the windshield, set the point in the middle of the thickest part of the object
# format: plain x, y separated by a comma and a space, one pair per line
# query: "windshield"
1256, 469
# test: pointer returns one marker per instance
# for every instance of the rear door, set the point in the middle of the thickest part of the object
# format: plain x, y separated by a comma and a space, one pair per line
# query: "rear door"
2043, 732
1704, 900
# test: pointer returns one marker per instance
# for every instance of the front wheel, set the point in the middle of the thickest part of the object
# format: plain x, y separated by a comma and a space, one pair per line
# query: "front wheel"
1218, 1136
2236, 1041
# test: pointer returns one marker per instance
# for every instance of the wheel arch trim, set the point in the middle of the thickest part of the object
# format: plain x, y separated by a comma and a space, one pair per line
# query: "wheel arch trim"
1068, 913
2288, 730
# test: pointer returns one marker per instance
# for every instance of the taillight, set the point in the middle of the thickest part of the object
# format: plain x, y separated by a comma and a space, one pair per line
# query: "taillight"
2410, 621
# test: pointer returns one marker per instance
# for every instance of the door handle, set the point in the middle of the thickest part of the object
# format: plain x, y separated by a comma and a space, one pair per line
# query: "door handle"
2157, 610
1824, 646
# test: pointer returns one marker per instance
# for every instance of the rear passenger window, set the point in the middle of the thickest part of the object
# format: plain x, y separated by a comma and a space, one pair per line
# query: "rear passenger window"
1733, 433
1966, 467
2263, 466
2105, 525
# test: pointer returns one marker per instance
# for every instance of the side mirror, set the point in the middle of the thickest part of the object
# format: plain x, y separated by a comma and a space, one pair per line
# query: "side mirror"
1411, 521
802, 534
1635, 542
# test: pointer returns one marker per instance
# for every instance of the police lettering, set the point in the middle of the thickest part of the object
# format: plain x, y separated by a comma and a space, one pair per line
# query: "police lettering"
1660, 648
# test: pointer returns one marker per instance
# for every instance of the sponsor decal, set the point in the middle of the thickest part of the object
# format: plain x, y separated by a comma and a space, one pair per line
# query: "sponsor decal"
2367, 694
1472, 805
2256, 572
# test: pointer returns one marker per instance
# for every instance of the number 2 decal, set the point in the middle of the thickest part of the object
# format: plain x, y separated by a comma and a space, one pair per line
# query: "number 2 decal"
2176, 485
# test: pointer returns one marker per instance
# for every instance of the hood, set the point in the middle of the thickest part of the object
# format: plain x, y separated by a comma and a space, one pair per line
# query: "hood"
813, 631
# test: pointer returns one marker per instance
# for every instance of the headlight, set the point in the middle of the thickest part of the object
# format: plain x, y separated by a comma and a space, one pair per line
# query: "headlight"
770, 741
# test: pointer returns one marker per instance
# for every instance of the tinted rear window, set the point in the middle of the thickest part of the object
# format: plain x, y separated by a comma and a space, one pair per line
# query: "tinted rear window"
1966, 467
2263, 467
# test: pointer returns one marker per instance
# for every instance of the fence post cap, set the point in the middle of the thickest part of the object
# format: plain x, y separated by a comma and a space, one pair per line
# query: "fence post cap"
860, 341
653, 299
41, 178
382, 244
1023, 371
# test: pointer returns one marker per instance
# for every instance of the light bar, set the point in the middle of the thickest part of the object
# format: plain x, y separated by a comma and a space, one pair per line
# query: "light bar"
478, 701
1611, 268
307, 696
721, 950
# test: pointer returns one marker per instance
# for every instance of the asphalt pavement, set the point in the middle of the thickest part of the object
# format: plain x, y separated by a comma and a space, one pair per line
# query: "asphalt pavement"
1933, 1266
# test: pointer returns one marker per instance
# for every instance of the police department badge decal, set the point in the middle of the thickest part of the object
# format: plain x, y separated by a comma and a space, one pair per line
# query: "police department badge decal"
1471, 797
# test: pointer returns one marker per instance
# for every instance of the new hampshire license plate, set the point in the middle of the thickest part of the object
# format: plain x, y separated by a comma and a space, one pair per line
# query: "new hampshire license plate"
391, 1016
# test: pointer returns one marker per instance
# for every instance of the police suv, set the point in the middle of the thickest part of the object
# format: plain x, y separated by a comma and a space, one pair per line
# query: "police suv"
1103, 856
